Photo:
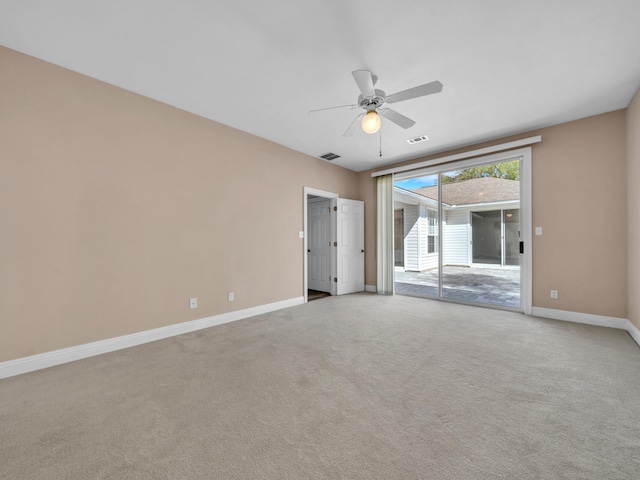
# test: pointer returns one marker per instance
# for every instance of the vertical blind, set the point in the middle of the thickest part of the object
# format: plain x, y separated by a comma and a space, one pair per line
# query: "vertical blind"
384, 235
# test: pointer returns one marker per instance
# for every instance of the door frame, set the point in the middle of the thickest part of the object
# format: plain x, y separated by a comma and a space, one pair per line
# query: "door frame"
330, 196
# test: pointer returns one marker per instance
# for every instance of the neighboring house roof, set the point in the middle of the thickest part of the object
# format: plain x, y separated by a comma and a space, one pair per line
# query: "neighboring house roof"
477, 190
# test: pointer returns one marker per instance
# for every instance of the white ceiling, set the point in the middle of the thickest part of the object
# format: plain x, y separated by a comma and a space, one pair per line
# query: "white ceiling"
507, 66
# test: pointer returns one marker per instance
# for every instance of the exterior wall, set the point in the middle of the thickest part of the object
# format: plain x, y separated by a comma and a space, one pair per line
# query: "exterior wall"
116, 209
456, 231
416, 226
422, 237
576, 178
633, 205
411, 238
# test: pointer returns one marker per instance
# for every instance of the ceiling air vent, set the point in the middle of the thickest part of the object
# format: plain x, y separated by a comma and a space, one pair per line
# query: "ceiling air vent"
329, 156
422, 138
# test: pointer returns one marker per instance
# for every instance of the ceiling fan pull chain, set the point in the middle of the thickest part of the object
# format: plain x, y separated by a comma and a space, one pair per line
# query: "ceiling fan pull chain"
380, 142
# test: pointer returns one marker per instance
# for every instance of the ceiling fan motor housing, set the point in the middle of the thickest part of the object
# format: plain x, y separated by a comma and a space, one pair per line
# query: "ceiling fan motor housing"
372, 103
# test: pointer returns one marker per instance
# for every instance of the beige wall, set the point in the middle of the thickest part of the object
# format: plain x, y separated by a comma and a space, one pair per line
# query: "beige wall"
116, 209
633, 203
579, 198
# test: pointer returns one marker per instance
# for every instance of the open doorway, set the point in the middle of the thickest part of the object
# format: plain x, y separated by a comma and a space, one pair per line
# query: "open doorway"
319, 243
333, 244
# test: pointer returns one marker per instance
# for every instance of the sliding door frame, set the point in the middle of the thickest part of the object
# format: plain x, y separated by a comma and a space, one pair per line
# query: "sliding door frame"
524, 156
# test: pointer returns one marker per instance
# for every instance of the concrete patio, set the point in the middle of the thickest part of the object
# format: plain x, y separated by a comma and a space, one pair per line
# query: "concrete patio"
493, 286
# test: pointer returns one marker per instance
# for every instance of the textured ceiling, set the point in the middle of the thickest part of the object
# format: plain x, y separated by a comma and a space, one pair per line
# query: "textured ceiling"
507, 66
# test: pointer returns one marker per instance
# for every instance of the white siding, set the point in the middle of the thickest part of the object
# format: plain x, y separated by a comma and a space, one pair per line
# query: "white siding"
422, 237
411, 238
429, 261
455, 230
416, 230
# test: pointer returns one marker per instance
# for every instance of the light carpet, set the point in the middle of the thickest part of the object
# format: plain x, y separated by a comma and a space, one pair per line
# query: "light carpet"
361, 386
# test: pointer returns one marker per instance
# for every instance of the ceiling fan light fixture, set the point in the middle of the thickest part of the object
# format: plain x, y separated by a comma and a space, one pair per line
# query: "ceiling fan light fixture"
371, 122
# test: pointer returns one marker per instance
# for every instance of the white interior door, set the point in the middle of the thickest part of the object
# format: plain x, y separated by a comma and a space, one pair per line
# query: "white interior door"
319, 245
350, 246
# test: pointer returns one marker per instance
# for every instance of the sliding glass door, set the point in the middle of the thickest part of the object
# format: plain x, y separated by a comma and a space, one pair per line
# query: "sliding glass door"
496, 237
459, 233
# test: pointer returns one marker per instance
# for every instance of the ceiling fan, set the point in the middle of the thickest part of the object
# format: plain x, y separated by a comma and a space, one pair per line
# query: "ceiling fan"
372, 100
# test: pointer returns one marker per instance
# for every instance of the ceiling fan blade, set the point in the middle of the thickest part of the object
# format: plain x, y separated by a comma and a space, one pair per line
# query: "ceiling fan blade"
351, 129
419, 91
331, 108
397, 118
364, 80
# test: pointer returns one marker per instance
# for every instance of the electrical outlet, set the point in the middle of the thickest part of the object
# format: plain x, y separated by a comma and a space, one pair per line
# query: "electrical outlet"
538, 230
554, 293
232, 296
193, 303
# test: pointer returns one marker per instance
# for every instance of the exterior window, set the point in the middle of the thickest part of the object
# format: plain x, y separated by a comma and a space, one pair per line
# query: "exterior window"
432, 231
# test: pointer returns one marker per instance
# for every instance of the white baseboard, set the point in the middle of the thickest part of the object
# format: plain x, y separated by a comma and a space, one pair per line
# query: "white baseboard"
634, 332
589, 319
370, 288
57, 357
